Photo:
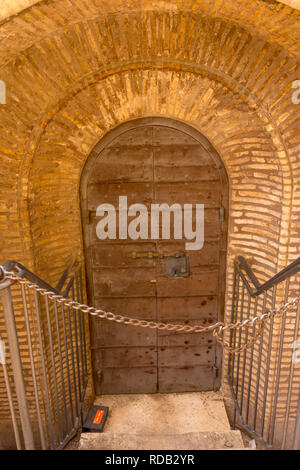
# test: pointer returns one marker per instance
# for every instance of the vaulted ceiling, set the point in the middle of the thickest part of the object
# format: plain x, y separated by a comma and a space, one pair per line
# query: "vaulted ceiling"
12, 7
268, 19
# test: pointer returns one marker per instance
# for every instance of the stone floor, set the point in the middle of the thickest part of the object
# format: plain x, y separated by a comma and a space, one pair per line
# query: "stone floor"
165, 413
164, 421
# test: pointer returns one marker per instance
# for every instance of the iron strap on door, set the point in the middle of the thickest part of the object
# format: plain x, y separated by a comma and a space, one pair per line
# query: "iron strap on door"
217, 328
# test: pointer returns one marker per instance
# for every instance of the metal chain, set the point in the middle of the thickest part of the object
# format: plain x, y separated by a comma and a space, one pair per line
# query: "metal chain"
217, 328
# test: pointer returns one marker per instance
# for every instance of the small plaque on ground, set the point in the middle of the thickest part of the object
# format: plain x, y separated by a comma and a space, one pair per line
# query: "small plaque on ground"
95, 419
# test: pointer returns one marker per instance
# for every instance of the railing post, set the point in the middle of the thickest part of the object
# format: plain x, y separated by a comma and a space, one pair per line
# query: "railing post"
13, 343
9, 395
296, 443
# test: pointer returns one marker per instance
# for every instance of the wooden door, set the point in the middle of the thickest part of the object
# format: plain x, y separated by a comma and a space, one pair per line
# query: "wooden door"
155, 164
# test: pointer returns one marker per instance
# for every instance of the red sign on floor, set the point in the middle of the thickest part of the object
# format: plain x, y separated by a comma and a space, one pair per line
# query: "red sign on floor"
98, 417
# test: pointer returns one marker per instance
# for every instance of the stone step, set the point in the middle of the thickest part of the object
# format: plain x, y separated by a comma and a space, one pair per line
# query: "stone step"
213, 440
173, 421
165, 413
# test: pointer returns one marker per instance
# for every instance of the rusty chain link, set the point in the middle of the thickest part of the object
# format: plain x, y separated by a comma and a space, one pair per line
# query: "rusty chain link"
217, 328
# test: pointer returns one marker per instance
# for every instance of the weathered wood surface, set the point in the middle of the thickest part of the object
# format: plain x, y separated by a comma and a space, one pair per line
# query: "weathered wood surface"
154, 164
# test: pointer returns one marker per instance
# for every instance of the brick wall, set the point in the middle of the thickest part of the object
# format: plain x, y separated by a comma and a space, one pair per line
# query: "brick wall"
74, 70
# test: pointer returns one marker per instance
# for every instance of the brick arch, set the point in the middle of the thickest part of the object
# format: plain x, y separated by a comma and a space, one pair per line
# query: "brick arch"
215, 61
34, 19
248, 101
246, 76
81, 131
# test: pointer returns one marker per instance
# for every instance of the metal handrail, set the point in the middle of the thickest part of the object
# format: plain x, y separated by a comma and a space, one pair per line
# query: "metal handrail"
77, 271
25, 273
73, 264
71, 347
62, 369
251, 295
281, 276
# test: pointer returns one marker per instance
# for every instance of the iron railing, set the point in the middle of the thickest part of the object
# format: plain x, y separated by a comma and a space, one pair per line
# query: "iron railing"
45, 390
265, 379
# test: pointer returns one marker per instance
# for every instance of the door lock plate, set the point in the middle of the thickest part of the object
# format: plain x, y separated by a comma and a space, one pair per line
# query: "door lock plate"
176, 262
177, 266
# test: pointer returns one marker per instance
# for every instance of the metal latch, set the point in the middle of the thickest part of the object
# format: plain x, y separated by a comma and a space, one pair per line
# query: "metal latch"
177, 262
177, 266
155, 254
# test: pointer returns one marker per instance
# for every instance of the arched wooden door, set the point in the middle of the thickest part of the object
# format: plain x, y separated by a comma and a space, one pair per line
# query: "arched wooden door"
155, 161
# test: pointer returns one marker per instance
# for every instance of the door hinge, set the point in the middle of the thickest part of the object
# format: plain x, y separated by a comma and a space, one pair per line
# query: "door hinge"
89, 217
99, 374
221, 213
215, 371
